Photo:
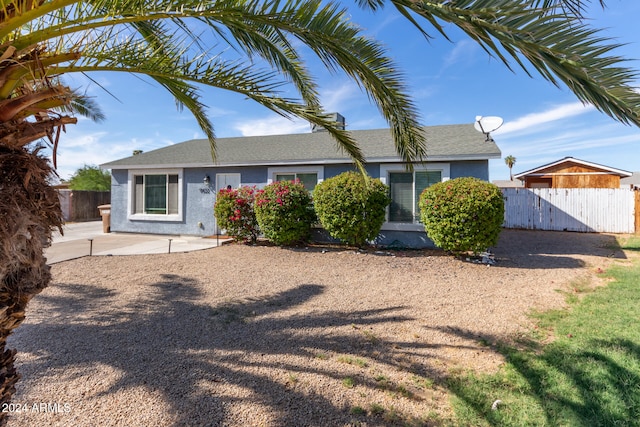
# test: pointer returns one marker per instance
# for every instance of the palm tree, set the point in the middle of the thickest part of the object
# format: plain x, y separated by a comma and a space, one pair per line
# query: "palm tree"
42, 40
510, 161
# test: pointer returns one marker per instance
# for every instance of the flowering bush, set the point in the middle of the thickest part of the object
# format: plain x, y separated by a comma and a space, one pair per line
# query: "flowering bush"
284, 212
463, 214
351, 207
234, 211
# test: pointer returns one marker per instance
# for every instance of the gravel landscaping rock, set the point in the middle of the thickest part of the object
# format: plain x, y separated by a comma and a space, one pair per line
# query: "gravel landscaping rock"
268, 336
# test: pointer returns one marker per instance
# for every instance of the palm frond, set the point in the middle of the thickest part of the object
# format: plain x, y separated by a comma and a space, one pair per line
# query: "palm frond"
86, 107
114, 35
561, 47
570, 7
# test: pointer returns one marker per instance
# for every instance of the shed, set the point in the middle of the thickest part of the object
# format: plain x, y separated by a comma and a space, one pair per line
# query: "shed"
570, 172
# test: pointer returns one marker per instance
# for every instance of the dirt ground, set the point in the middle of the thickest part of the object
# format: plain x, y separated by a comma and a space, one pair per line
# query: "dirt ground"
267, 336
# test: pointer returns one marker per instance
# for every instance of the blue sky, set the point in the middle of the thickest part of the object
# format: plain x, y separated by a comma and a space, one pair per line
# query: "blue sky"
451, 82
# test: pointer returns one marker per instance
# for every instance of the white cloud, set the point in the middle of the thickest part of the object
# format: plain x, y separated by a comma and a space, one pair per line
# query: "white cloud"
534, 122
271, 126
463, 51
336, 99
78, 148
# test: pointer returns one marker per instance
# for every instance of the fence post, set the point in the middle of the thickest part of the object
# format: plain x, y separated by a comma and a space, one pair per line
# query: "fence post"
637, 193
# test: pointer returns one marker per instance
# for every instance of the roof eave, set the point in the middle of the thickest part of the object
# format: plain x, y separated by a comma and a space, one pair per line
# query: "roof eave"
429, 159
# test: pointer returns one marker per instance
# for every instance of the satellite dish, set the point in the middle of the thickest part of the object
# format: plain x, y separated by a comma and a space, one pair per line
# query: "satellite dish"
487, 125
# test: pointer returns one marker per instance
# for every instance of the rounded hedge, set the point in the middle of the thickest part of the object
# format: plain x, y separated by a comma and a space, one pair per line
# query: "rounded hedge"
351, 207
463, 214
234, 213
284, 212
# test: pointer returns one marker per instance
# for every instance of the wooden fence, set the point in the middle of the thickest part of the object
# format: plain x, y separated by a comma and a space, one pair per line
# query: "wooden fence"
82, 205
606, 210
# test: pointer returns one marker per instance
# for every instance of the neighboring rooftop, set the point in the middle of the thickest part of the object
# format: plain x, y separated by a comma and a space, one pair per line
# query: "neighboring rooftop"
444, 143
506, 183
631, 180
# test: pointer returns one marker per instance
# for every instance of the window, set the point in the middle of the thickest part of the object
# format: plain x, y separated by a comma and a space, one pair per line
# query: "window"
309, 180
155, 195
406, 188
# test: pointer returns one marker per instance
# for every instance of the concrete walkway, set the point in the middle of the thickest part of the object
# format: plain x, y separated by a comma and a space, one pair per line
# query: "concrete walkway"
82, 238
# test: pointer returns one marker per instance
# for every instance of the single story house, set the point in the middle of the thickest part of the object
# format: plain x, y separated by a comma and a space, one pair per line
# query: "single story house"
172, 190
572, 173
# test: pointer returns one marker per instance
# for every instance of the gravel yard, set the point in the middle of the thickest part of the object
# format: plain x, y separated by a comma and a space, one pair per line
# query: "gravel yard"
266, 336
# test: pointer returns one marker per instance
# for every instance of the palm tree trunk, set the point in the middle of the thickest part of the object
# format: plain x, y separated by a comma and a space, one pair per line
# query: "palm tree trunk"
29, 211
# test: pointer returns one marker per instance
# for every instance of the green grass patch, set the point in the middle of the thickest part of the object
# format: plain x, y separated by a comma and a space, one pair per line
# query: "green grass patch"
376, 409
370, 337
631, 243
348, 382
588, 376
404, 392
353, 361
358, 410
421, 382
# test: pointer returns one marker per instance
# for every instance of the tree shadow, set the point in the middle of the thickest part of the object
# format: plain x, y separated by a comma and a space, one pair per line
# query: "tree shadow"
536, 249
192, 353
577, 386
532, 249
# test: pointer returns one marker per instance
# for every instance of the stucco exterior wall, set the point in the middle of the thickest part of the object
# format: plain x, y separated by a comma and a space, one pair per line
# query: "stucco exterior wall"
197, 202
475, 168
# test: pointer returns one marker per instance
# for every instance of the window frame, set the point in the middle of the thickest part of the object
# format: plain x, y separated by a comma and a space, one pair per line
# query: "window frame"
294, 170
132, 216
385, 172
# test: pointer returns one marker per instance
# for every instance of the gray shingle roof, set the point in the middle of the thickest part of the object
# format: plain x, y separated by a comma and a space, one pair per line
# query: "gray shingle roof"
444, 143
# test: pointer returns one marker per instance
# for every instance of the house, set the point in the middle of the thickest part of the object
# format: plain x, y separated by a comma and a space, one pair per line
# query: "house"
172, 190
572, 173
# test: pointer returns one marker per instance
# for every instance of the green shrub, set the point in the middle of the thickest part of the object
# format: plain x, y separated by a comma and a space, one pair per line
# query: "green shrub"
234, 212
351, 207
463, 214
284, 212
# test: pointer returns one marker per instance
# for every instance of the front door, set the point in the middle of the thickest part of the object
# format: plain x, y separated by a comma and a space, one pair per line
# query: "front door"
224, 180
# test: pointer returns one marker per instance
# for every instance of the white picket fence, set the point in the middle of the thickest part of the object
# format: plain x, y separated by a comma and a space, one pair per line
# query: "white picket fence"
607, 210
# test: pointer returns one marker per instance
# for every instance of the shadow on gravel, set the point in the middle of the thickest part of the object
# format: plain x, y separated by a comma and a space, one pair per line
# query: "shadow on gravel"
208, 362
535, 249
553, 249
167, 342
